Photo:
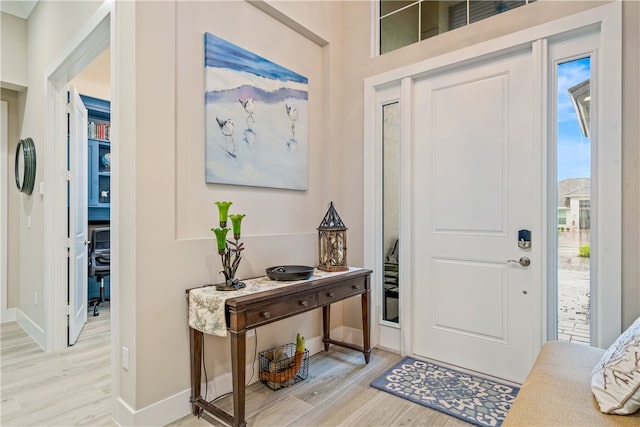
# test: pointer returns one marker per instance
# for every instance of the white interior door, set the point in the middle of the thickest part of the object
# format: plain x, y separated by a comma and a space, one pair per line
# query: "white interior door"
474, 166
78, 258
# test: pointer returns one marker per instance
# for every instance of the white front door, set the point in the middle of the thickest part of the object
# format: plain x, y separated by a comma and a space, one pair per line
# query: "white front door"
78, 237
477, 181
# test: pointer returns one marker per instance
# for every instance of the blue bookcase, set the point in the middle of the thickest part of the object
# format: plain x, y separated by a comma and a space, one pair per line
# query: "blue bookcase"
98, 157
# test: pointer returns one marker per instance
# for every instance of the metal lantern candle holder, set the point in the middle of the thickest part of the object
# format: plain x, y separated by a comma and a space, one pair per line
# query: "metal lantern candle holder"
332, 242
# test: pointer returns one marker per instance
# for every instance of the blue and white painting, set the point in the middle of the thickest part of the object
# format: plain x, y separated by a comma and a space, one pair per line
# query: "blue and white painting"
256, 119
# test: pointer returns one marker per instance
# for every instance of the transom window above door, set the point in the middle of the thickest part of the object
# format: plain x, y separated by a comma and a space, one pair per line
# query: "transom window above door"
403, 22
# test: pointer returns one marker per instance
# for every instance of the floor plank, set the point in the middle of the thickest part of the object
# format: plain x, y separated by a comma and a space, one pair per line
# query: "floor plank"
73, 388
336, 393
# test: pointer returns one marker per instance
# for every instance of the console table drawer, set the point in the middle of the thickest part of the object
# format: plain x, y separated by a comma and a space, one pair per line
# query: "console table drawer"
340, 292
268, 313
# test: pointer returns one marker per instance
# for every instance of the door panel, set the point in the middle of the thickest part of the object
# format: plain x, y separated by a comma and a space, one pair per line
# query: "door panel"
78, 187
469, 151
474, 166
482, 285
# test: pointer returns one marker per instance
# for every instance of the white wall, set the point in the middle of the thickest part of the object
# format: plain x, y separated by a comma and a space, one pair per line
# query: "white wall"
13, 80
13, 49
630, 162
174, 207
95, 79
166, 209
50, 28
15, 106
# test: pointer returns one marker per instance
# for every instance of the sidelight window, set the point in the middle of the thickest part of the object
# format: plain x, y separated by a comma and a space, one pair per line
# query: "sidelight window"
573, 166
391, 195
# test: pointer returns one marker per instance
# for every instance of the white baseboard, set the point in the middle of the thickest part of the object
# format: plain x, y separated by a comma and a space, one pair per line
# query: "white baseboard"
348, 334
8, 315
177, 406
31, 328
157, 414
123, 414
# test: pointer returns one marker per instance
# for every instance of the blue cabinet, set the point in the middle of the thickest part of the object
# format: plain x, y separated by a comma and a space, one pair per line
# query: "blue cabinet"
98, 157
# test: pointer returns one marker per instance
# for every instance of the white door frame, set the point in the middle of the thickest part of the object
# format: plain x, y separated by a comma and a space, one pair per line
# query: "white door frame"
87, 44
606, 267
389, 334
96, 34
6, 314
564, 49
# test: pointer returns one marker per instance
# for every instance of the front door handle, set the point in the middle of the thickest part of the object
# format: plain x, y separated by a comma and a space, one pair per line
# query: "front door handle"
523, 261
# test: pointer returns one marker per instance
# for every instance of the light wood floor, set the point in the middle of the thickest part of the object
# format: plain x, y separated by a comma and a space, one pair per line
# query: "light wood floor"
67, 388
73, 388
336, 393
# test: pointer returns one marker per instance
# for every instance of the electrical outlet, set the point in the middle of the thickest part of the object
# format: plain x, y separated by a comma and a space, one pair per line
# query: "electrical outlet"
125, 358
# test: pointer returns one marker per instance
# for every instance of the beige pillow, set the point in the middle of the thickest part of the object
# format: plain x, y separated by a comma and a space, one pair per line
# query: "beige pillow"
615, 380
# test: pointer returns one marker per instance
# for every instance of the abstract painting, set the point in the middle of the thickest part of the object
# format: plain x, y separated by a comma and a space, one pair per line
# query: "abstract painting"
256, 118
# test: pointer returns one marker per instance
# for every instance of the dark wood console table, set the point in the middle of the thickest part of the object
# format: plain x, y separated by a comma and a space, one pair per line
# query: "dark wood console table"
260, 308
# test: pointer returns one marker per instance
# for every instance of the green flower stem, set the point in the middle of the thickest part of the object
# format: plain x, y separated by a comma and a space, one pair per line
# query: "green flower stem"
229, 268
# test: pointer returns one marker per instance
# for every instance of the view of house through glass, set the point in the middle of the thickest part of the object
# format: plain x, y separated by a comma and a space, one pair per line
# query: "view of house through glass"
403, 22
574, 200
390, 202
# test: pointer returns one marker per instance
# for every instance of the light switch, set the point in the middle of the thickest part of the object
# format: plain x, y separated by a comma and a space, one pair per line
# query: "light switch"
125, 358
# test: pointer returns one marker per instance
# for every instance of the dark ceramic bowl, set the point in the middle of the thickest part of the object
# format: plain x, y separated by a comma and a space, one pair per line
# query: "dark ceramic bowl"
290, 272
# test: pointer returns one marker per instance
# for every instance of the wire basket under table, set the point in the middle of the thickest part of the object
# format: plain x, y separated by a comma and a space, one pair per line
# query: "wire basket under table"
290, 368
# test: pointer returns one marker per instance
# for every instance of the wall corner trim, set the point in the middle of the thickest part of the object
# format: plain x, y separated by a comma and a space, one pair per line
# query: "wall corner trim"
31, 328
287, 21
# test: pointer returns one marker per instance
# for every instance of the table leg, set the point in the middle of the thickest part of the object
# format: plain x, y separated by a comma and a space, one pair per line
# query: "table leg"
366, 345
238, 360
326, 326
196, 341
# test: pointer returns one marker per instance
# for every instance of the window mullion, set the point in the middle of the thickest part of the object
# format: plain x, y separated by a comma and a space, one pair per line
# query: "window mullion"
400, 10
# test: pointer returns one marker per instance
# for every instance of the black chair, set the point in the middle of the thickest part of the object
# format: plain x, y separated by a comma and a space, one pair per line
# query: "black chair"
99, 262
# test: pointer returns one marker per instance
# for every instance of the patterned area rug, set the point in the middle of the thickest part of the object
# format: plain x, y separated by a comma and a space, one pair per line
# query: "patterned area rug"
471, 398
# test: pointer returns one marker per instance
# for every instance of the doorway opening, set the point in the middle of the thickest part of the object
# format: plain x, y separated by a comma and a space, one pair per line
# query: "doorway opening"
92, 39
573, 165
93, 85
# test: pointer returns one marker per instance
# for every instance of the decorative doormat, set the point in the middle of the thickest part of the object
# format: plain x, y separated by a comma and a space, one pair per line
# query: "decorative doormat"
471, 398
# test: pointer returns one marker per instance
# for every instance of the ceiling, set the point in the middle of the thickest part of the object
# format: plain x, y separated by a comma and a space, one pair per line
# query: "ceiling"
19, 8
